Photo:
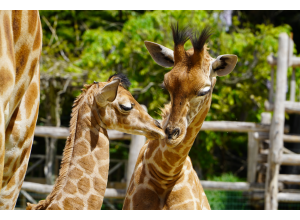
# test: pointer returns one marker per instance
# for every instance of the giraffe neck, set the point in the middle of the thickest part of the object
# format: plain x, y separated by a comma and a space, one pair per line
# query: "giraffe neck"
166, 164
83, 175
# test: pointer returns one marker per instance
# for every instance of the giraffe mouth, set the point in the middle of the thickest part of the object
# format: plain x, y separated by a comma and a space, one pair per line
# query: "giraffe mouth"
151, 134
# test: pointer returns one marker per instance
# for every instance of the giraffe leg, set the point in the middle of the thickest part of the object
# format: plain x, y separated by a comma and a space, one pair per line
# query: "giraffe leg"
18, 143
7, 82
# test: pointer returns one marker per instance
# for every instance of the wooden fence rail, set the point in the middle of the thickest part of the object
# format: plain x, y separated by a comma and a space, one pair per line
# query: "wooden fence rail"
63, 132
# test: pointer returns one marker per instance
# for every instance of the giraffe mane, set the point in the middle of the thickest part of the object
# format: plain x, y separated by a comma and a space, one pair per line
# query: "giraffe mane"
67, 154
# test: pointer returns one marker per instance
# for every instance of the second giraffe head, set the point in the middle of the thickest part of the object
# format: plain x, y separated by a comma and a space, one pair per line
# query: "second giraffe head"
120, 111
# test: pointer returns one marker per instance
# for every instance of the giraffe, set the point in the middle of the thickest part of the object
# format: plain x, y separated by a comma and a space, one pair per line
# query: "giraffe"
84, 169
163, 177
20, 50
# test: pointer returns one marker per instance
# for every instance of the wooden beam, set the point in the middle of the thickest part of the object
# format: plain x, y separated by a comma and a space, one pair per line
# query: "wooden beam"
286, 137
289, 106
253, 146
277, 125
63, 133
233, 126
289, 178
46, 189
231, 186
290, 159
288, 197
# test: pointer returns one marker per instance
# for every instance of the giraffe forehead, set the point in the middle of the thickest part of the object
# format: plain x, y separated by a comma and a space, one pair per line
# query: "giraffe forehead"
187, 81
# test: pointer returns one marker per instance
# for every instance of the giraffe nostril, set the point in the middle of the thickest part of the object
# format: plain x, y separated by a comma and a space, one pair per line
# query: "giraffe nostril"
172, 134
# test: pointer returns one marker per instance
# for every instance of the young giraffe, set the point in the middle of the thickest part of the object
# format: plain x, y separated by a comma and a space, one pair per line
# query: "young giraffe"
20, 50
83, 175
164, 177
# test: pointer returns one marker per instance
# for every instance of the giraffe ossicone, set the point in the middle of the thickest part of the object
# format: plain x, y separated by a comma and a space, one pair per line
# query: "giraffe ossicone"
164, 177
84, 169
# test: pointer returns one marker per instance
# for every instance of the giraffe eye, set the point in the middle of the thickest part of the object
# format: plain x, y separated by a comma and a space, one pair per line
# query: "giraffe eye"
126, 108
204, 91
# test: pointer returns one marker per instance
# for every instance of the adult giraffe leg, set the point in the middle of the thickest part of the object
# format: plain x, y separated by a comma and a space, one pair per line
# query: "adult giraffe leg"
18, 143
7, 82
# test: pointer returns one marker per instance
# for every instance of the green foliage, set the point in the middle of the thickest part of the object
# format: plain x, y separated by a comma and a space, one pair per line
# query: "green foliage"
100, 43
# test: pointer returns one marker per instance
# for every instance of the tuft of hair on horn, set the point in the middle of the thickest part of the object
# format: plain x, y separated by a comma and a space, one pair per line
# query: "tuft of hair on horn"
123, 79
180, 37
198, 40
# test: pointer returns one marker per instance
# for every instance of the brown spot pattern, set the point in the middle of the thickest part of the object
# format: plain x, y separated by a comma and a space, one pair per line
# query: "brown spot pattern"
75, 173
103, 171
17, 18
202, 118
73, 204
163, 165
185, 206
171, 157
146, 199
12, 129
58, 197
21, 60
22, 171
140, 174
70, 188
30, 98
126, 205
32, 68
99, 185
87, 163
6, 81
11, 183
38, 38
80, 149
8, 37
32, 20
94, 202
54, 206
83, 185
18, 97
9, 196
153, 144
131, 189
1, 45
101, 154
155, 186
178, 196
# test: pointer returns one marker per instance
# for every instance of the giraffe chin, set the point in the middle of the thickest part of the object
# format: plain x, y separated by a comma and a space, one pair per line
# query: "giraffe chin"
174, 142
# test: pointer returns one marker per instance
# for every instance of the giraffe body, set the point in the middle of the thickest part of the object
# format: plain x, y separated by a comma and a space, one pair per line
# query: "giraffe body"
164, 177
84, 170
20, 50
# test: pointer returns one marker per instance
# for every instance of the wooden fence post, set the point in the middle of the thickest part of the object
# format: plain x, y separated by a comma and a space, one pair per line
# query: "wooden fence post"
137, 142
277, 125
253, 145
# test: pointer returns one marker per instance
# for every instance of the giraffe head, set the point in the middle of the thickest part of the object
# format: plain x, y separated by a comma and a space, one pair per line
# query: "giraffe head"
192, 79
120, 111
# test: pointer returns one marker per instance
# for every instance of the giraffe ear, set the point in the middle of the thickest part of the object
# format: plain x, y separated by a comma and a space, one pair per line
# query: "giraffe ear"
108, 93
163, 56
223, 65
